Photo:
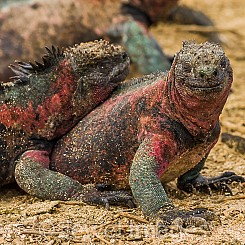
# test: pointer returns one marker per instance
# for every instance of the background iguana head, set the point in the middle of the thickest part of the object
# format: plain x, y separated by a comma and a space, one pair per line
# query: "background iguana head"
46, 100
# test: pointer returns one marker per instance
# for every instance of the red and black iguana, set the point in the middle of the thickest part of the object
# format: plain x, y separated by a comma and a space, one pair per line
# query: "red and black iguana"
44, 101
150, 131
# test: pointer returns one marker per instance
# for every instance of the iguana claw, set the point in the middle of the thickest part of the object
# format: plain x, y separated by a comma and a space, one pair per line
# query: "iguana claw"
218, 183
198, 217
107, 198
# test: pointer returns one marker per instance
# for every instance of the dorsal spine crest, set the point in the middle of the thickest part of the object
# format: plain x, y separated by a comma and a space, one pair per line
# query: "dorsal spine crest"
23, 70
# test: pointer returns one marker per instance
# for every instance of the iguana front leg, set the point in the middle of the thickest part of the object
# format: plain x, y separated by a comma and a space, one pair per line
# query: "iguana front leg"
144, 182
33, 175
148, 190
193, 179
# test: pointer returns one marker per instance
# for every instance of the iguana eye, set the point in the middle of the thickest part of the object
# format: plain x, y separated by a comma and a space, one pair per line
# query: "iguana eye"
124, 56
186, 67
223, 63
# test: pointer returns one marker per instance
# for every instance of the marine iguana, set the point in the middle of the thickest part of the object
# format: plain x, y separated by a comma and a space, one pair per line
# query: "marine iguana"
45, 100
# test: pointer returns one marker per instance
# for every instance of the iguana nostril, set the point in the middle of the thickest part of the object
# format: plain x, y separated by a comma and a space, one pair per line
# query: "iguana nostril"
202, 74
215, 72
208, 72
124, 56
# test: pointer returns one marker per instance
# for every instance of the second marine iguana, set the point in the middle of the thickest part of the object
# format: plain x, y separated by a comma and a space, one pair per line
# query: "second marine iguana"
64, 23
44, 101
152, 130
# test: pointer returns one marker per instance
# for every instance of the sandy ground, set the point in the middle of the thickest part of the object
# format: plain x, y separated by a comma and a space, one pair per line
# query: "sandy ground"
28, 220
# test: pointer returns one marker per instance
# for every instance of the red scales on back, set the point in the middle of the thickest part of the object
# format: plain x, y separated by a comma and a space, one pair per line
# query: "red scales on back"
46, 100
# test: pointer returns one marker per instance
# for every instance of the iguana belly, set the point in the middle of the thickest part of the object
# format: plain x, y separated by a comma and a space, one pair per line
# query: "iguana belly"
184, 162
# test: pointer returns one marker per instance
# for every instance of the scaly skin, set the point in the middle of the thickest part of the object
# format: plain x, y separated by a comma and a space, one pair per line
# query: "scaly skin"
171, 114
44, 101
150, 131
62, 23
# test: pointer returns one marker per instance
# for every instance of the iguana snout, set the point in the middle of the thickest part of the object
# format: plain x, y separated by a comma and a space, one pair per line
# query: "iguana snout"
209, 77
207, 72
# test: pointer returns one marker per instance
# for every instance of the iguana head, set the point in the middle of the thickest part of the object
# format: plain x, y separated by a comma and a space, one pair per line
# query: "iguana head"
202, 69
199, 83
46, 100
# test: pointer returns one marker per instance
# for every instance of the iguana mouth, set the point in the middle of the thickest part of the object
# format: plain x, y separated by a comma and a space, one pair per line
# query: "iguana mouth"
213, 87
209, 85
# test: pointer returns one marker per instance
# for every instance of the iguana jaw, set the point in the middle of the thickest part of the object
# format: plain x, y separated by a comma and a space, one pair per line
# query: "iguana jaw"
208, 80
208, 88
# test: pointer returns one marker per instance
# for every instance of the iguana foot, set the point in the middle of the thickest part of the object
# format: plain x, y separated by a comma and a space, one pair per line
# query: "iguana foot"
207, 185
107, 198
183, 219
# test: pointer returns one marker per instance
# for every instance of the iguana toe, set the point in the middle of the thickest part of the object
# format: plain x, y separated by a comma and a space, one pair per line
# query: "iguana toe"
207, 185
107, 198
184, 219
